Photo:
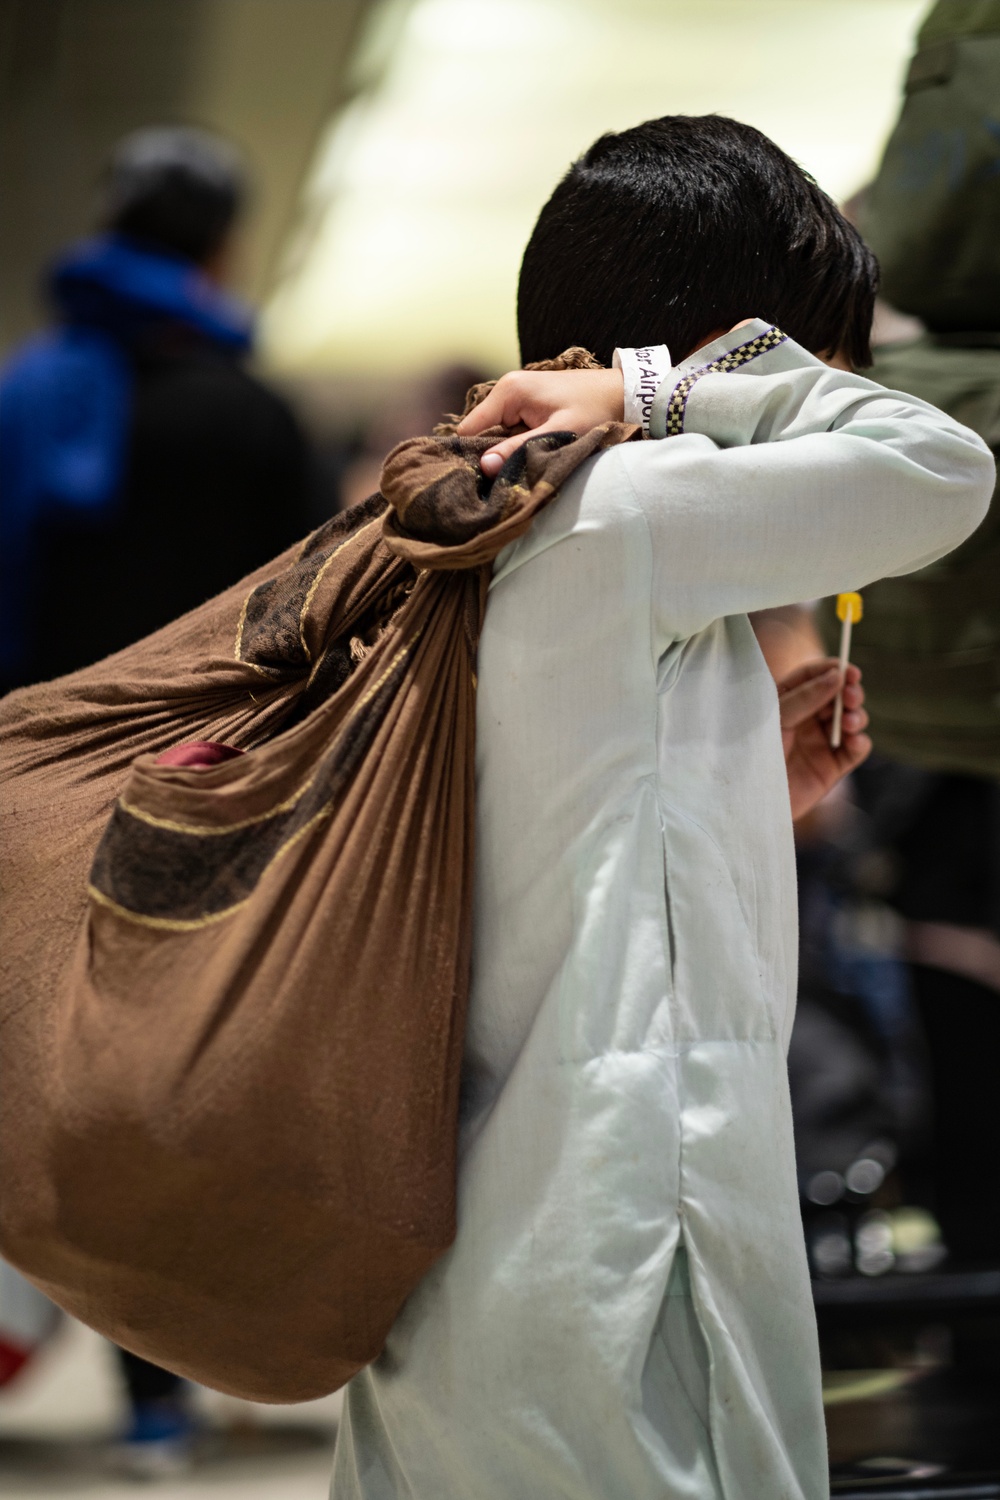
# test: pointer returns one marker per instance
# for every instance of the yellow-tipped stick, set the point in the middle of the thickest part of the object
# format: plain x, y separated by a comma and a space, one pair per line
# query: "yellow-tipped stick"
849, 609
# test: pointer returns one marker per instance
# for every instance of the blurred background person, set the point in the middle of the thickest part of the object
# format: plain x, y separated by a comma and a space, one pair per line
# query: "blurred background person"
929, 644
142, 468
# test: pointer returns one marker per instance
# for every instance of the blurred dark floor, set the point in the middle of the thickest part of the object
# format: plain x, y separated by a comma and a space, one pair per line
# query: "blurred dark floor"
912, 1384
936, 1434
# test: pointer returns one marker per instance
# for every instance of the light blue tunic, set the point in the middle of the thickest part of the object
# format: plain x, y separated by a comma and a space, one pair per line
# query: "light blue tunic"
626, 1312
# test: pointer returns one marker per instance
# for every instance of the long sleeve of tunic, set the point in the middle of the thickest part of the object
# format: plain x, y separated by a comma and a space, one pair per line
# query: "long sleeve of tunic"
626, 1312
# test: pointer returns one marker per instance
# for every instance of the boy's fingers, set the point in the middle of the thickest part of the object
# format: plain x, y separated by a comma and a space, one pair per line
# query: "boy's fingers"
806, 671
512, 401
816, 668
811, 689
854, 749
494, 458
493, 461
804, 692
489, 413
854, 720
854, 703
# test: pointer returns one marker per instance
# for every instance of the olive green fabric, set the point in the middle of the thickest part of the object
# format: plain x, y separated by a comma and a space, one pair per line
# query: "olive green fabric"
929, 643
959, 18
932, 216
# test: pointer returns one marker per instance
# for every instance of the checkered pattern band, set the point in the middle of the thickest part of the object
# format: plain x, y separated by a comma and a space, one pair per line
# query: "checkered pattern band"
677, 405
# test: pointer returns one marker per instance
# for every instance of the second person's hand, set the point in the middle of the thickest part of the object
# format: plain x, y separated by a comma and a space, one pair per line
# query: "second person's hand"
805, 705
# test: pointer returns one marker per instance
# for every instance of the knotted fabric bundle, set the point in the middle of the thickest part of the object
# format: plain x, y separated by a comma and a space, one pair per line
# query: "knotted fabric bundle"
233, 986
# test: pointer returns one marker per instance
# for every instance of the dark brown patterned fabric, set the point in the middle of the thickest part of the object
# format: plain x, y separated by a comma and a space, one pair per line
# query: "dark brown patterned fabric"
232, 999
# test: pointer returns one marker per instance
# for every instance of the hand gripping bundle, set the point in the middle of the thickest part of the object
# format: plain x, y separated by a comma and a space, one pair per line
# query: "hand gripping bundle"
232, 999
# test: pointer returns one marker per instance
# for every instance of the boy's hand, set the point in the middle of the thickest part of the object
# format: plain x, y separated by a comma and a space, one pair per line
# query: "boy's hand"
552, 401
545, 401
805, 702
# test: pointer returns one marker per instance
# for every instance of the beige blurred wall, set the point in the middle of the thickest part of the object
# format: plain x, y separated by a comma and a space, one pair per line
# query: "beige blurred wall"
425, 187
77, 74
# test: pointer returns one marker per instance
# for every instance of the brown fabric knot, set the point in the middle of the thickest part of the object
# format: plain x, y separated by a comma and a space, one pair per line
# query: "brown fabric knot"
445, 513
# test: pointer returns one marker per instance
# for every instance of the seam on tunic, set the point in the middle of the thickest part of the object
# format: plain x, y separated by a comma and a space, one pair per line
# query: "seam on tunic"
670, 943
710, 1424
767, 1009
687, 817
655, 656
715, 1438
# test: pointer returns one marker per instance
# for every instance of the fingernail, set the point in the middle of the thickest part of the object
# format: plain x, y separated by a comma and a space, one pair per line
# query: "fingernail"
491, 463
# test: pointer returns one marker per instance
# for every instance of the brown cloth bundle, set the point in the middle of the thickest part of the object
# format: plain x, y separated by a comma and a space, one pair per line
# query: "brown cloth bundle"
232, 999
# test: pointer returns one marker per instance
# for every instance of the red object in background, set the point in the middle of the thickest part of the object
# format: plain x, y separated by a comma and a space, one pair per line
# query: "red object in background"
12, 1358
199, 755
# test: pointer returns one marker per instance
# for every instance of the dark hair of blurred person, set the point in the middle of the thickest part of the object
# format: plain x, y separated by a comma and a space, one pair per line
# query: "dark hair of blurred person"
142, 468
669, 231
179, 190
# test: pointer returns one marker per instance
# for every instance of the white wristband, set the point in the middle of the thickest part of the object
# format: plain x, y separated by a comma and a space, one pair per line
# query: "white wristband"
643, 371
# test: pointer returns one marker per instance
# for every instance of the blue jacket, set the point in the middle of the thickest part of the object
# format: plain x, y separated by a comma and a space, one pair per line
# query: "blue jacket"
65, 399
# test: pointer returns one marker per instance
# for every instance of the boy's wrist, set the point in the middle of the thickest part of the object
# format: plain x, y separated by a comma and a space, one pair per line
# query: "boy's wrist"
643, 372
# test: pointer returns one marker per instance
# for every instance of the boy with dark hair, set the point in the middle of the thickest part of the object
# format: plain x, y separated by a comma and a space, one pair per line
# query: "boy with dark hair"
673, 229
626, 1312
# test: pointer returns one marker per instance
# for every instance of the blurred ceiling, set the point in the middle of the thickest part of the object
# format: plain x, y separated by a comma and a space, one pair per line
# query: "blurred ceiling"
77, 74
466, 112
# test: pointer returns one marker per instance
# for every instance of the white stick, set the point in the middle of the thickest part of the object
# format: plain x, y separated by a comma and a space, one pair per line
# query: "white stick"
838, 705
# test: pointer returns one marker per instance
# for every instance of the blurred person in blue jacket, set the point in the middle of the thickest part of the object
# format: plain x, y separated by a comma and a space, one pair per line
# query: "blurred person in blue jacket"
142, 469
